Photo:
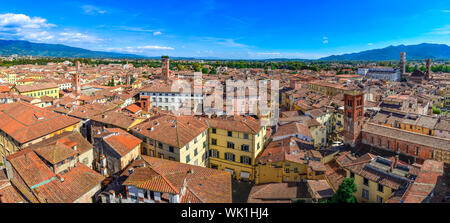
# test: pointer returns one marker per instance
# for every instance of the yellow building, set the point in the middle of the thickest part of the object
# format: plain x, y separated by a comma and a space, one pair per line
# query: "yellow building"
25, 81
327, 88
38, 90
234, 144
376, 178
420, 124
23, 124
11, 78
289, 160
179, 138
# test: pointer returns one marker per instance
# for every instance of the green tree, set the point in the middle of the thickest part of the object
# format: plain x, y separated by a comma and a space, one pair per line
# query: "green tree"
180, 67
436, 110
197, 67
205, 70
344, 194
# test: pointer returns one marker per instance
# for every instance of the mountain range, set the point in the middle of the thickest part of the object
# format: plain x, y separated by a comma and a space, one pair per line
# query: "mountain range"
413, 52
25, 48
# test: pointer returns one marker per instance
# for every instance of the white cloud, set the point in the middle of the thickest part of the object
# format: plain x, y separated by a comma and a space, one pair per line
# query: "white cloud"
445, 10
77, 37
37, 29
92, 10
267, 53
140, 49
325, 39
370, 44
157, 33
223, 41
442, 31
10, 20
155, 47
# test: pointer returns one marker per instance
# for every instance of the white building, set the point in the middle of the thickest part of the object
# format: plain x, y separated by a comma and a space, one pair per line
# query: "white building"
168, 99
384, 73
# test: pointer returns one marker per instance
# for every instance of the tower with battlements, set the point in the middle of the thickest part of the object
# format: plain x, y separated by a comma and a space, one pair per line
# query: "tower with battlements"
353, 116
165, 71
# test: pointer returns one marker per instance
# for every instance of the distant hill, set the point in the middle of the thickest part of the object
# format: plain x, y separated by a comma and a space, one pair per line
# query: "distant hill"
25, 48
413, 52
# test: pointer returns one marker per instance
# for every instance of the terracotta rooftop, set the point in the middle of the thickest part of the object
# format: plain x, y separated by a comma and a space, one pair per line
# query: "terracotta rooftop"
121, 141
205, 185
173, 130
278, 192
25, 122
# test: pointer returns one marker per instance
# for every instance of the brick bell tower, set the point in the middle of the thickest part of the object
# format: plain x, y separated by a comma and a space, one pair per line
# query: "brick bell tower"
165, 67
76, 86
353, 117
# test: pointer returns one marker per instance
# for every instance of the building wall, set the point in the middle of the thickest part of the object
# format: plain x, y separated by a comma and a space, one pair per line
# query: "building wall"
51, 92
151, 147
417, 129
404, 147
372, 188
87, 158
129, 157
255, 143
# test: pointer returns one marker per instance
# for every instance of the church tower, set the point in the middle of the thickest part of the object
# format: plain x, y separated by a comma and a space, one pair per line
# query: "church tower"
353, 117
165, 72
76, 86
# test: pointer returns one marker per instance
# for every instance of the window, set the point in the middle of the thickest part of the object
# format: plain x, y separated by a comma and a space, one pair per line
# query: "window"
366, 181
246, 160
352, 175
417, 151
230, 145
365, 194
295, 170
230, 133
160, 145
258, 146
171, 149
187, 146
188, 158
214, 153
214, 141
380, 187
245, 148
379, 199
214, 131
229, 156
245, 136
287, 170
195, 140
204, 144
160, 155
195, 152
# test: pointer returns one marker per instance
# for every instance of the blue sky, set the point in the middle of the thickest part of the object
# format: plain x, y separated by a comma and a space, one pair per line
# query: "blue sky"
236, 29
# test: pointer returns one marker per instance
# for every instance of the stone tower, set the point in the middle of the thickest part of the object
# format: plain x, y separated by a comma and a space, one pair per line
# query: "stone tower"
428, 69
402, 63
353, 117
165, 72
76, 86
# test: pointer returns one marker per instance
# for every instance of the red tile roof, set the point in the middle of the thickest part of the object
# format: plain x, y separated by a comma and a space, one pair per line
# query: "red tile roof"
25, 122
203, 185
